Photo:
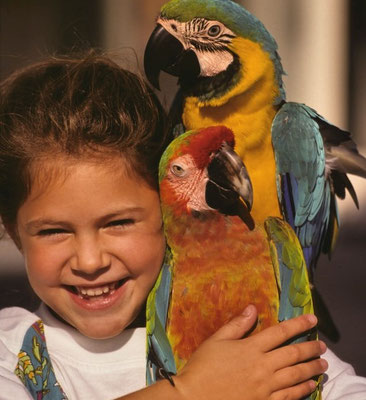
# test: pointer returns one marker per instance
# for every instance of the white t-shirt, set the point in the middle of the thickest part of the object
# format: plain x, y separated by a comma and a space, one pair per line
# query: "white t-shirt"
85, 368
106, 369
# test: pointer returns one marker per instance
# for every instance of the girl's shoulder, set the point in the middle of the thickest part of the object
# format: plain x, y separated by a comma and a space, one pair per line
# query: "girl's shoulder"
15, 318
14, 323
11, 313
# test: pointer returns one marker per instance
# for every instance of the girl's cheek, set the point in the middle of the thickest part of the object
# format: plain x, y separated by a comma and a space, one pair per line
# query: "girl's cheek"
144, 253
45, 265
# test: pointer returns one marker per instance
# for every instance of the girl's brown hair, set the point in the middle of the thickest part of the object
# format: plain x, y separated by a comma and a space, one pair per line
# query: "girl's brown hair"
72, 106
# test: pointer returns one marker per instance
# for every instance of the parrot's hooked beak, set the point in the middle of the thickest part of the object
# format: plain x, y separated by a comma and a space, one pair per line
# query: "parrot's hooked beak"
164, 52
229, 188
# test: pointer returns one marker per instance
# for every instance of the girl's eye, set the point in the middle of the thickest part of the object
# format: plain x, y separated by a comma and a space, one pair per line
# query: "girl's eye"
51, 231
214, 30
121, 222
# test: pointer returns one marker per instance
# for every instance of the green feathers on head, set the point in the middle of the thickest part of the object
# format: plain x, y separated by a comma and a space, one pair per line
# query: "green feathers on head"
231, 14
170, 151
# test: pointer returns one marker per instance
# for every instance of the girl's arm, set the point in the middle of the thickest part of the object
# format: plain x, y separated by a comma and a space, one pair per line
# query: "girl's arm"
228, 367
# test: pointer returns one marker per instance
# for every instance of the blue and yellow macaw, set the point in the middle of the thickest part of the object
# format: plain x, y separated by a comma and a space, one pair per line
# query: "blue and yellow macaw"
231, 74
218, 261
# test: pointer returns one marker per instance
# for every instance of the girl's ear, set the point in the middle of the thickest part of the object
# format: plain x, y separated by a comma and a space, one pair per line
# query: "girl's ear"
12, 231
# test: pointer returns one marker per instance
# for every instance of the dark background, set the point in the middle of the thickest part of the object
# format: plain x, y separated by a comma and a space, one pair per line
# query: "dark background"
33, 29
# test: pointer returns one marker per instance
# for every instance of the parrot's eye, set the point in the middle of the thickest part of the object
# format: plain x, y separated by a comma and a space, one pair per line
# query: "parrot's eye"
178, 170
214, 30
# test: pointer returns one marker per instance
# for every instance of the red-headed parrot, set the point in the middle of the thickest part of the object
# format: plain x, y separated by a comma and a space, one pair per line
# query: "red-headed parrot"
231, 74
218, 260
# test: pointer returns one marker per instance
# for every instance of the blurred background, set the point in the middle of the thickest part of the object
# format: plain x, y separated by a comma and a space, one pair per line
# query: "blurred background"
323, 49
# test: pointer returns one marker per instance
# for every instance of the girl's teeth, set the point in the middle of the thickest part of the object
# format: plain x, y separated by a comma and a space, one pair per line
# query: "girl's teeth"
97, 291
94, 292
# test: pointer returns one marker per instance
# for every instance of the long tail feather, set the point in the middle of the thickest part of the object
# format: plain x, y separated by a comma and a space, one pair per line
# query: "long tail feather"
347, 160
341, 182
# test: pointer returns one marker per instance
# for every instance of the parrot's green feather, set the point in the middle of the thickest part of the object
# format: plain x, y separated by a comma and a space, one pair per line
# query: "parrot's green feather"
171, 150
295, 293
295, 297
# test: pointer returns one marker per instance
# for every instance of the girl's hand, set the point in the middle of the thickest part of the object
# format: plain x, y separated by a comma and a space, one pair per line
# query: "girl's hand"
224, 367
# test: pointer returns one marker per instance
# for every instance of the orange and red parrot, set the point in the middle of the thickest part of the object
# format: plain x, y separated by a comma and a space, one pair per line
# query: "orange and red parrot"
219, 259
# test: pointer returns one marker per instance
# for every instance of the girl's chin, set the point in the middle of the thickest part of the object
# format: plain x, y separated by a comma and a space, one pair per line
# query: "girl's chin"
105, 328
101, 334
100, 327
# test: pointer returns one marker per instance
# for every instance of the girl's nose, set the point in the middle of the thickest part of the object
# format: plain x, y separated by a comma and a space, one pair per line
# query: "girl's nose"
90, 257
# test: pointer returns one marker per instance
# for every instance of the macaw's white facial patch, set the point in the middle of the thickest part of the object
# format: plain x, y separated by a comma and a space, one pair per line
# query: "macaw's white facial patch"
209, 40
212, 63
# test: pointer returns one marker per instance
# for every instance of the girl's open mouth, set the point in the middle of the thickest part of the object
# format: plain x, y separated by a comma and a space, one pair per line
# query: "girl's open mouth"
99, 296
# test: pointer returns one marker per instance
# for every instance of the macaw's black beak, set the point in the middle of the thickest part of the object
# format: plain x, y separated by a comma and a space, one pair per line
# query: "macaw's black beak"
229, 189
164, 52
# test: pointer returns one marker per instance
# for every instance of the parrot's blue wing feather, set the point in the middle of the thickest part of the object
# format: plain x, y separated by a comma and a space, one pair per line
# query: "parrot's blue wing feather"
304, 191
160, 359
312, 160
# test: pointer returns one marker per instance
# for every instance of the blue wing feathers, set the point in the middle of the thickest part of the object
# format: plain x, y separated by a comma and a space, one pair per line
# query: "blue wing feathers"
303, 143
289, 197
300, 162
163, 294
160, 355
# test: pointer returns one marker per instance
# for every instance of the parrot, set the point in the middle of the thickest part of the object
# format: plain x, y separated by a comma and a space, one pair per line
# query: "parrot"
230, 73
218, 260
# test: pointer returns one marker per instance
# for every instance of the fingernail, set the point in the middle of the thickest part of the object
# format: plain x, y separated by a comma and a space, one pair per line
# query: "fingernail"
312, 385
312, 319
323, 346
248, 311
324, 364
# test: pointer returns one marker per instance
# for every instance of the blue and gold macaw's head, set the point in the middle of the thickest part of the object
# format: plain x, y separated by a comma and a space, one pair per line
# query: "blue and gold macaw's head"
215, 47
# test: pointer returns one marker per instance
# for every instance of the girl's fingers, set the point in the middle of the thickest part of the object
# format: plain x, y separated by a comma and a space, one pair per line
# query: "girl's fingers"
296, 353
274, 336
295, 392
296, 374
238, 326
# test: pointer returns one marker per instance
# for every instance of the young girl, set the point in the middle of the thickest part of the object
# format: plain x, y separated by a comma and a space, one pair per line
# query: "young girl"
80, 143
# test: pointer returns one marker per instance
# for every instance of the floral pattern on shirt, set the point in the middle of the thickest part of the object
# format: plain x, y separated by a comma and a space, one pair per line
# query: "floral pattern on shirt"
34, 367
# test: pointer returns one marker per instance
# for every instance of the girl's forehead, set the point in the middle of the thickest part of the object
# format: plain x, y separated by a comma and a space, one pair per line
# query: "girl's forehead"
46, 171
63, 163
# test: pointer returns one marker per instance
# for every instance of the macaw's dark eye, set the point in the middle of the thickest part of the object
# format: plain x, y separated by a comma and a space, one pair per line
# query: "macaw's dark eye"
214, 30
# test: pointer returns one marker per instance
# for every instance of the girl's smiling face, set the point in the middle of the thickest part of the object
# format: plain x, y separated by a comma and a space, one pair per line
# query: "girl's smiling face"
93, 243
